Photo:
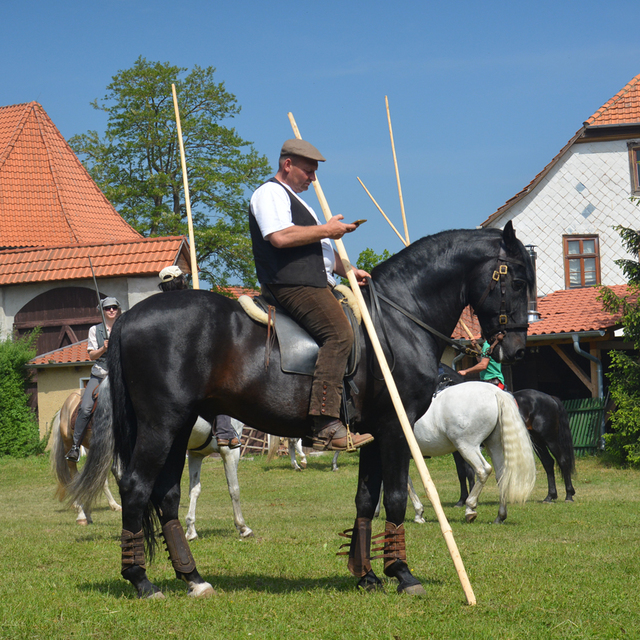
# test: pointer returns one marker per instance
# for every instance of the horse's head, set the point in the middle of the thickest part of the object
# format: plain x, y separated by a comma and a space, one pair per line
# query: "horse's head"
500, 298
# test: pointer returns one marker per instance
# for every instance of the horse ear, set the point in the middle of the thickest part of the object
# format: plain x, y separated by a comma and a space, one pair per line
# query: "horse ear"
508, 234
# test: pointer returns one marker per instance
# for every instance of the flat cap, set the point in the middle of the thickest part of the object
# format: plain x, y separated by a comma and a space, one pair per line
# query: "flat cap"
302, 148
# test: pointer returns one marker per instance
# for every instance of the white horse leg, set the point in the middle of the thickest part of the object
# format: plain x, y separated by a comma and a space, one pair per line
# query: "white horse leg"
417, 505
300, 452
293, 444
195, 467
334, 462
231, 458
82, 518
114, 506
482, 470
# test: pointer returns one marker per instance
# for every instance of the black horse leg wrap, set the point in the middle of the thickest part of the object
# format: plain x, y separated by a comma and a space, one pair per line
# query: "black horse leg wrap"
132, 545
359, 547
178, 547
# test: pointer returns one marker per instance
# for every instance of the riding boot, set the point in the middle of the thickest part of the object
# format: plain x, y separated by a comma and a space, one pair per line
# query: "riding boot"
330, 434
73, 455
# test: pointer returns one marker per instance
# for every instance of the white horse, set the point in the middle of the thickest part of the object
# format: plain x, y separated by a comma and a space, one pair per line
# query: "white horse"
202, 443
462, 418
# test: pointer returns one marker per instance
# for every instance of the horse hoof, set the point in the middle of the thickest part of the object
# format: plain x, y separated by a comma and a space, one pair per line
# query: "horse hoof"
569, 499
204, 590
413, 590
547, 501
303, 464
246, 533
158, 595
82, 523
470, 517
117, 508
419, 520
498, 520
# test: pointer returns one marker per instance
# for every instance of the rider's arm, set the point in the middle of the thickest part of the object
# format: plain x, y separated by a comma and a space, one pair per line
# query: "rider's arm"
481, 366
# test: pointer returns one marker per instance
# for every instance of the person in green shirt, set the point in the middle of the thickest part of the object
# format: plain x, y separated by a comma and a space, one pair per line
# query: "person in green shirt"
489, 369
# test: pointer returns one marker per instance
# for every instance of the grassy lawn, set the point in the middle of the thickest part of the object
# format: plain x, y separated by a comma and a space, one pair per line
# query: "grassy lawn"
551, 571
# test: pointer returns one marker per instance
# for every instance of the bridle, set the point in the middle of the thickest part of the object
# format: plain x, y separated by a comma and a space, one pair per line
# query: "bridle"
499, 276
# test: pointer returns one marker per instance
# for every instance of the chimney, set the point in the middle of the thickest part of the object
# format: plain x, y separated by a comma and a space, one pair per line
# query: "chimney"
534, 314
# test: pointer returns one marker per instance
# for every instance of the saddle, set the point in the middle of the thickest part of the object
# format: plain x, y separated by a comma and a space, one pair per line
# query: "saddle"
298, 350
74, 413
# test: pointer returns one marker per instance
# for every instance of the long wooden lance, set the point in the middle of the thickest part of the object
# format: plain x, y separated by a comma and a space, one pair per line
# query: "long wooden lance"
384, 215
430, 488
95, 284
395, 162
187, 198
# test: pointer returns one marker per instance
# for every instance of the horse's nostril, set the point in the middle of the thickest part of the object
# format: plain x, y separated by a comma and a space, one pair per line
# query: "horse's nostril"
519, 354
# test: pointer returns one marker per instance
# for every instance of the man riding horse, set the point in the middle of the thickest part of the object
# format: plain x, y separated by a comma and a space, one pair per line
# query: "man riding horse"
288, 243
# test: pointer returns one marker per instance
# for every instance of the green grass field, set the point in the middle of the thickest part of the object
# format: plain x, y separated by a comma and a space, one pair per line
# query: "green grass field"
551, 571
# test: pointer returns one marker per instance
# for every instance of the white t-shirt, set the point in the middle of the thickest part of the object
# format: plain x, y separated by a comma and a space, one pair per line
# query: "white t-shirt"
271, 207
92, 345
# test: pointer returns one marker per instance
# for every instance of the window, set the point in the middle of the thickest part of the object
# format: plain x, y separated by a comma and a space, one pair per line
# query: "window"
581, 261
634, 165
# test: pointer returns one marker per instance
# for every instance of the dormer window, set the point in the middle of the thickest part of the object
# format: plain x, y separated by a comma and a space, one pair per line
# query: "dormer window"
581, 261
634, 166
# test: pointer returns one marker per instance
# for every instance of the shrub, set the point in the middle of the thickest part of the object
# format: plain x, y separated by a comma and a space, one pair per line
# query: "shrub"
19, 433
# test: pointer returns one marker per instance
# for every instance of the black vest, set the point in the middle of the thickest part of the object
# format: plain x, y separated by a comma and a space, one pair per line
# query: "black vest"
295, 265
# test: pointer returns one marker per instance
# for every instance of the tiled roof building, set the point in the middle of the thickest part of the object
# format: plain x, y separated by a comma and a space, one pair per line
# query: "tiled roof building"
581, 194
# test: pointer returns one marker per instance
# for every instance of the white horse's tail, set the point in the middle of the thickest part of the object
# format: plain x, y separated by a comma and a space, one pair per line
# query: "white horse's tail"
58, 461
519, 476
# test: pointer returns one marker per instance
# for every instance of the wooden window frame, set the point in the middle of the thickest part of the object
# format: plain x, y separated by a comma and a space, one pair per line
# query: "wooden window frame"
634, 166
580, 256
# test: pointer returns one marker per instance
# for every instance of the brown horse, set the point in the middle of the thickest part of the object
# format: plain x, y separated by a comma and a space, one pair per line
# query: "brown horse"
65, 470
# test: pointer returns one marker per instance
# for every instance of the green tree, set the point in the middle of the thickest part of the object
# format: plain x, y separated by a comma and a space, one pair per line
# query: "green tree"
623, 444
19, 433
368, 259
137, 163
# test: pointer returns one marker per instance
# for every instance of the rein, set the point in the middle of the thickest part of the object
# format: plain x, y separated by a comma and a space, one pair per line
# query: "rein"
454, 343
499, 276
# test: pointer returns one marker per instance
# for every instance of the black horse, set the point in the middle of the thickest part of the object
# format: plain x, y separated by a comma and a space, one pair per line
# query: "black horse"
188, 353
548, 425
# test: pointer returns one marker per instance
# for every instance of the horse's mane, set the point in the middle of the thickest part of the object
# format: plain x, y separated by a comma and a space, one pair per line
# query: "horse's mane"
440, 251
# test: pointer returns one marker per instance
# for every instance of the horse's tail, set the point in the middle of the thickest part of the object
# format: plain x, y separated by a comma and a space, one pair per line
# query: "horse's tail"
89, 483
519, 476
565, 439
59, 464
125, 429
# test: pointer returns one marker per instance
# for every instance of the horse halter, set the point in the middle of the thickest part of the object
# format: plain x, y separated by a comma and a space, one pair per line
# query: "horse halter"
500, 277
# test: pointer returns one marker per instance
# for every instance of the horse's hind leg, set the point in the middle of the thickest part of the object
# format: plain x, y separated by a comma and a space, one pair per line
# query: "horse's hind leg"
195, 467
482, 471
231, 458
548, 464
113, 505
417, 504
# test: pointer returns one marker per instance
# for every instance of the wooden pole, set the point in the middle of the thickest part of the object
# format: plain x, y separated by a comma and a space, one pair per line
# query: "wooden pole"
430, 488
405, 242
395, 162
187, 198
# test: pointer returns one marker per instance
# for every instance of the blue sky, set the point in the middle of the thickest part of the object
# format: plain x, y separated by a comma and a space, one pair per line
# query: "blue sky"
482, 94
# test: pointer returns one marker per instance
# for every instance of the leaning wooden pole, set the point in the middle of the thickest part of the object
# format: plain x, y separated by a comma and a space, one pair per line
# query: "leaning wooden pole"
430, 488
395, 162
187, 198
384, 215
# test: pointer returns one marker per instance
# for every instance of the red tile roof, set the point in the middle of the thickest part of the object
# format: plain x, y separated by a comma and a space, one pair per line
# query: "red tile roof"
142, 257
75, 353
47, 198
623, 108
574, 310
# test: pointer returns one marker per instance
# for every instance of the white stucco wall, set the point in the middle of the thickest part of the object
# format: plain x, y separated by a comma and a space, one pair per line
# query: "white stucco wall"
586, 192
129, 291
